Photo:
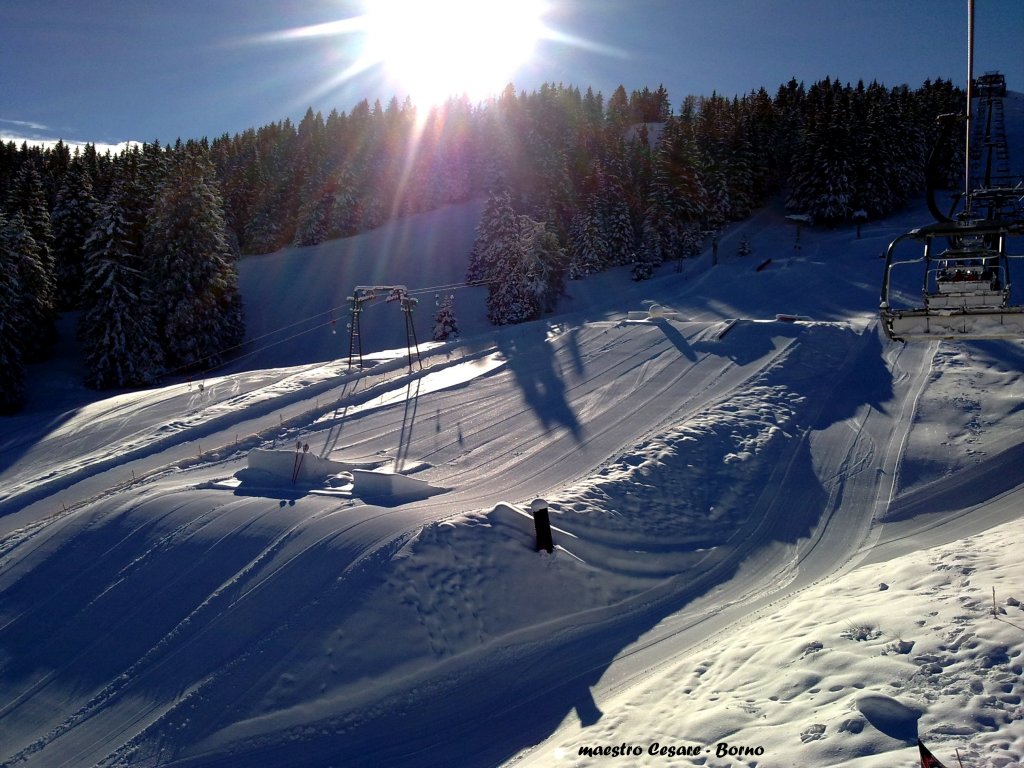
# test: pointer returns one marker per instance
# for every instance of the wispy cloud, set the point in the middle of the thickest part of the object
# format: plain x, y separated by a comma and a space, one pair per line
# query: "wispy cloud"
25, 124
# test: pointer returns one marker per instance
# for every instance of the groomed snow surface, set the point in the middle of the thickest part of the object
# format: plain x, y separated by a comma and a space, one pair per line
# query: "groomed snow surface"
777, 542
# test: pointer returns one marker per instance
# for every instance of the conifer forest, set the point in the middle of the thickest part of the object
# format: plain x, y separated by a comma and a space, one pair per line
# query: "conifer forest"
144, 244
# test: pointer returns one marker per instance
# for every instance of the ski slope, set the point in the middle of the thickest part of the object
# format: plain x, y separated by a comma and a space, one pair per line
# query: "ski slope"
728, 490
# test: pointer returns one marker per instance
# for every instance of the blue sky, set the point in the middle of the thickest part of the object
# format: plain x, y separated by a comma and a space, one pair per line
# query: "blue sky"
115, 70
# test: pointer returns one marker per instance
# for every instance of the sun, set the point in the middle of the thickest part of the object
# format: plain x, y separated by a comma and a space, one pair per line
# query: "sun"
432, 50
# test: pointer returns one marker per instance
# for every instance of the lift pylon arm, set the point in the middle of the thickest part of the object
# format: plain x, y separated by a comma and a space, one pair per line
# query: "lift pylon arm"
363, 294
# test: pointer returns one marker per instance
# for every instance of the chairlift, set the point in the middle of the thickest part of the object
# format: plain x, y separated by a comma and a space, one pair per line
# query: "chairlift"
966, 291
966, 287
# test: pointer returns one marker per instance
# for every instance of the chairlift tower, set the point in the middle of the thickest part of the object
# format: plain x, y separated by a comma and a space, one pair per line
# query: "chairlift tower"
991, 184
363, 294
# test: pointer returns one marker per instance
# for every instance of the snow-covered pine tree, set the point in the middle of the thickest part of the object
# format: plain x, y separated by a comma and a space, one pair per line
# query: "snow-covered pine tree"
345, 210
509, 295
511, 299
740, 175
74, 213
660, 239
194, 275
646, 260
313, 220
909, 145
267, 178
117, 328
35, 291
875, 159
744, 248
520, 260
151, 164
553, 198
28, 213
496, 230
834, 193
822, 174
545, 263
716, 185
445, 325
588, 251
29, 197
615, 220
451, 178
12, 371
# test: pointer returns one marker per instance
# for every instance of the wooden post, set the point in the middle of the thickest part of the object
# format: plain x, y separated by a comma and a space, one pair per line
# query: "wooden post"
542, 524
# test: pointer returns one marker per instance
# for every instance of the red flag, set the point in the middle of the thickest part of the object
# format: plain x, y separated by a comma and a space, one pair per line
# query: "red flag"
928, 760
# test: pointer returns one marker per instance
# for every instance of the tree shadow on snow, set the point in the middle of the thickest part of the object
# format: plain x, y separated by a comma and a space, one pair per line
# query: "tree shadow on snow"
747, 342
672, 334
532, 362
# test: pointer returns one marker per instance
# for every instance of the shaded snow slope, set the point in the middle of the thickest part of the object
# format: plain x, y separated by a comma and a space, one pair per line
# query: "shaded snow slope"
728, 491
295, 298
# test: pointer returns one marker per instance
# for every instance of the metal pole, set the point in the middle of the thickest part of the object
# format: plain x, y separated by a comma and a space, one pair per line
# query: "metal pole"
352, 331
970, 95
410, 332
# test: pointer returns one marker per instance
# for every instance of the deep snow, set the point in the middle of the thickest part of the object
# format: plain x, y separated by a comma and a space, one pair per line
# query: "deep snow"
729, 499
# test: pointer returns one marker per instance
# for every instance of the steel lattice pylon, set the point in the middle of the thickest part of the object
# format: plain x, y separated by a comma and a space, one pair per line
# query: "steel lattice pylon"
363, 294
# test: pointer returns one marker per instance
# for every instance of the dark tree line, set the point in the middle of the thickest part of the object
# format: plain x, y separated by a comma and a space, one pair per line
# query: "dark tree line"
575, 184
147, 262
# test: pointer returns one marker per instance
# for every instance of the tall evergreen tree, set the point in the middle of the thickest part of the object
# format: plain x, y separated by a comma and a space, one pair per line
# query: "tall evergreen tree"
12, 323
74, 213
117, 327
660, 242
520, 260
28, 212
313, 222
194, 274
545, 263
587, 248
613, 216
495, 232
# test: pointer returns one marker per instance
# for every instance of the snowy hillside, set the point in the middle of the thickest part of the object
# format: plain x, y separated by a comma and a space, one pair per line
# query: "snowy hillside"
784, 537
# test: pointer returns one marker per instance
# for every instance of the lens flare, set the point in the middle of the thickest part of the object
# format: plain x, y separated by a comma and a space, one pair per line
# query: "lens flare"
435, 50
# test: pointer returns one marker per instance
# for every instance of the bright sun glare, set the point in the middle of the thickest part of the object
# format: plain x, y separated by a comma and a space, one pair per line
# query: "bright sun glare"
436, 49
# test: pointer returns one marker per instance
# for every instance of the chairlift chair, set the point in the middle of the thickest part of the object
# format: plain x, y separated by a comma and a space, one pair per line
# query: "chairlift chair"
966, 291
